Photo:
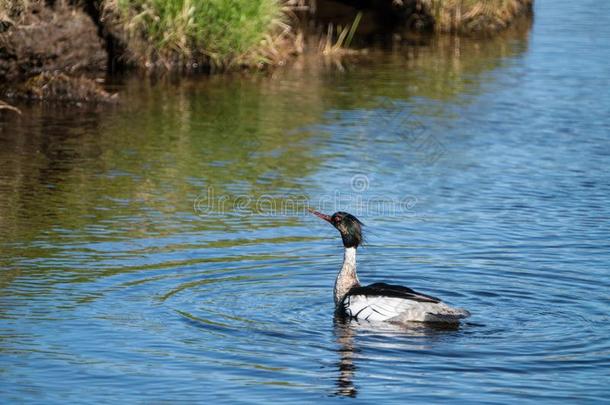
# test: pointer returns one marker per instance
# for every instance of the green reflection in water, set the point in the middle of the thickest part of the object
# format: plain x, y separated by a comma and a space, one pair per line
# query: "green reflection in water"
135, 170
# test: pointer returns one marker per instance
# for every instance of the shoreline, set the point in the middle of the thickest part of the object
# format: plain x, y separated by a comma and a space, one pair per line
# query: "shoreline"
63, 53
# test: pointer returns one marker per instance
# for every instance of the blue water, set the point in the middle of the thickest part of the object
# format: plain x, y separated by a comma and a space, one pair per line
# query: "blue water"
160, 251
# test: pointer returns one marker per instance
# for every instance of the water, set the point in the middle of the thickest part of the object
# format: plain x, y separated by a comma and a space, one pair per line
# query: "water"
159, 251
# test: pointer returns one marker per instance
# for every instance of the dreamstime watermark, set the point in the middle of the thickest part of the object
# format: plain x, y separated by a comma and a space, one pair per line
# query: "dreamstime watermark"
211, 203
391, 121
360, 183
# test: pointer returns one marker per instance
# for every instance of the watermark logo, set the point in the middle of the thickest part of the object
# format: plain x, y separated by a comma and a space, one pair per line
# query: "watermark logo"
360, 183
211, 203
391, 121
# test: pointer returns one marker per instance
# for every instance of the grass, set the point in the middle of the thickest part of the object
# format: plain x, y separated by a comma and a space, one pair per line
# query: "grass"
345, 35
227, 33
224, 32
6, 106
11, 11
468, 16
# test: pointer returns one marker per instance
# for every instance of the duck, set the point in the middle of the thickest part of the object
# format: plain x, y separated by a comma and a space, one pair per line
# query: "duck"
380, 302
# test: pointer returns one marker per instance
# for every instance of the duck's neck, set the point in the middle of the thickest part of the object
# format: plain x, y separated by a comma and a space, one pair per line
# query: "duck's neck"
347, 278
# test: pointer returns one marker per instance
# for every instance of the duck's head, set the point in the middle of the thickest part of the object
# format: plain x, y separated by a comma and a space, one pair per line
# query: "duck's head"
348, 226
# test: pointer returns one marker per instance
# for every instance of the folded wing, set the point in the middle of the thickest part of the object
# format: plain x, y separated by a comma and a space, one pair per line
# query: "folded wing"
386, 302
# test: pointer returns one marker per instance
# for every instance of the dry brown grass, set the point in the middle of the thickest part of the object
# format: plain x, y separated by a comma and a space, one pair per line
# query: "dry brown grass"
329, 46
474, 16
12, 10
6, 106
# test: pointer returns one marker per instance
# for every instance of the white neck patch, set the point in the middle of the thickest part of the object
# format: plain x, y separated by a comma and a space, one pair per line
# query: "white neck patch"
349, 257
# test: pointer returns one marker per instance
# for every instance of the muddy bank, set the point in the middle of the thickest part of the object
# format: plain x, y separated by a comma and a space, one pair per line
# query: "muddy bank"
41, 39
50, 52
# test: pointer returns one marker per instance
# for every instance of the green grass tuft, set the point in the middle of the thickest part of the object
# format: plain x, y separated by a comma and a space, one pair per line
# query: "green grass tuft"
221, 30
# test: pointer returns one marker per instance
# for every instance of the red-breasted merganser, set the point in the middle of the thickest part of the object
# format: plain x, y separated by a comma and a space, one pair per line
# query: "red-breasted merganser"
380, 301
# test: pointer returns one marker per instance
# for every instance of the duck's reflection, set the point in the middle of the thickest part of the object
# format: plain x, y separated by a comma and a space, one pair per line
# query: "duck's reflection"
345, 337
382, 335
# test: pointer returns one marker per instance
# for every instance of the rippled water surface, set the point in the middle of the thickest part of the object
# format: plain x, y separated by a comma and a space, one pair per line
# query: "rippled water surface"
159, 251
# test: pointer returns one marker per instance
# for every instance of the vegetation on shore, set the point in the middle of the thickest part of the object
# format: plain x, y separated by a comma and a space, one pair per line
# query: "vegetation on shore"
219, 33
71, 38
11, 10
474, 16
342, 45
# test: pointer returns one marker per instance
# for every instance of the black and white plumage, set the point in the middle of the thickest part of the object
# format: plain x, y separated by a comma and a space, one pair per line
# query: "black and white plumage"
394, 303
380, 301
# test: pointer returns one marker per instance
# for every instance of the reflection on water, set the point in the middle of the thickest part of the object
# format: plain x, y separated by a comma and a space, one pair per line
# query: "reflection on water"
345, 378
169, 142
122, 277
356, 337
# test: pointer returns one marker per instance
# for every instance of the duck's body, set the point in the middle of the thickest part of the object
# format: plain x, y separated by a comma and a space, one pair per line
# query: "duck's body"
380, 301
386, 302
